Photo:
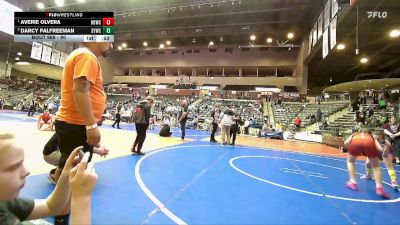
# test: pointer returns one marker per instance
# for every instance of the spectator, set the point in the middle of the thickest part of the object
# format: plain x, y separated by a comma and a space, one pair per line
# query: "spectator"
382, 104
234, 129
297, 123
32, 108
142, 121
117, 115
226, 120
392, 135
215, 119
183, 115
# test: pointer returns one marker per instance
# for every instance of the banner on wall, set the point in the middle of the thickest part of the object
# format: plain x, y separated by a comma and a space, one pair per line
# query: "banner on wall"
327, 15
320, 25
55, 57
325, 43
36, 52
46, 54
315, 35
335, 8
333, 32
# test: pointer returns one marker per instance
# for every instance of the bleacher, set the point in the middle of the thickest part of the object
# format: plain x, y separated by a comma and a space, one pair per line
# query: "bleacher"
11, 97
326, 109
287, 111
244, 108
346, 122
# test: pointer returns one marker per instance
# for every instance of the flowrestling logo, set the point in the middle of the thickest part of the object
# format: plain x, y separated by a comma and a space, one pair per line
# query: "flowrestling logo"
377, 14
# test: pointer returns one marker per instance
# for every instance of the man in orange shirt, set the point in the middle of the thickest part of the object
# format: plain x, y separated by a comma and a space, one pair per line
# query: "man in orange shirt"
82, 103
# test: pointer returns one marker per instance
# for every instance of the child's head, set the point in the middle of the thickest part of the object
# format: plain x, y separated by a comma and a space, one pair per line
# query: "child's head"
12, 169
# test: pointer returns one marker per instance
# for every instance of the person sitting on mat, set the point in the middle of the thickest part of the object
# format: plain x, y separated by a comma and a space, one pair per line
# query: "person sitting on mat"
165, 130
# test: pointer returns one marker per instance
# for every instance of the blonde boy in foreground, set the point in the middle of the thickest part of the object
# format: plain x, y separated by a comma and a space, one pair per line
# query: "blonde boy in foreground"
74, 187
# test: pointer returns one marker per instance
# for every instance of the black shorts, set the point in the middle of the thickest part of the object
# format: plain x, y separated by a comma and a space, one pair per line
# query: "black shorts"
51, 146
388, 139
69, 137
234, 128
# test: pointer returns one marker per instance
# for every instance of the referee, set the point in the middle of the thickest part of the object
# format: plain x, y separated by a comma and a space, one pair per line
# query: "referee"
82, 104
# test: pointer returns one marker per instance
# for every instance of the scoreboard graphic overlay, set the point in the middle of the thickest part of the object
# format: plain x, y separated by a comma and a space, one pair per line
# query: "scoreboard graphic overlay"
64, 27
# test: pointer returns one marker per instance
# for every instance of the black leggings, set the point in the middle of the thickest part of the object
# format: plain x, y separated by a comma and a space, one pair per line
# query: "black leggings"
140, 136
233, 132
117, 120
183, 129
214, 130
51, 145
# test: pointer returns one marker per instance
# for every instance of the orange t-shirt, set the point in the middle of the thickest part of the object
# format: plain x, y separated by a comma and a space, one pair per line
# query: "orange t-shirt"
81, 63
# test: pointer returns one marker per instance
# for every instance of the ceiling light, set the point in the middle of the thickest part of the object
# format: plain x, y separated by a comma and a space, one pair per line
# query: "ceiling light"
290, 35
269, 40
40, 5
364, 60
211, 43
17, 58
341, 46
119, 48
81, 1
193, 40
19, 53
124, 45
59, 3
395, 33
168, 43
162, 46
221, 39
145, 44
253, 37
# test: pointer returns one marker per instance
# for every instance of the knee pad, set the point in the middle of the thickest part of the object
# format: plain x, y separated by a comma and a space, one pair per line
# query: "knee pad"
53, 158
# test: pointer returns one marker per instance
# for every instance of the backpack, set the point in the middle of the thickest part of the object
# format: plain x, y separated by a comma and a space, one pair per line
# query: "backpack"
139, 115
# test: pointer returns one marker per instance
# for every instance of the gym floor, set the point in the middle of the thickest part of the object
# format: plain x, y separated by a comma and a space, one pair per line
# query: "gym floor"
259, 181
